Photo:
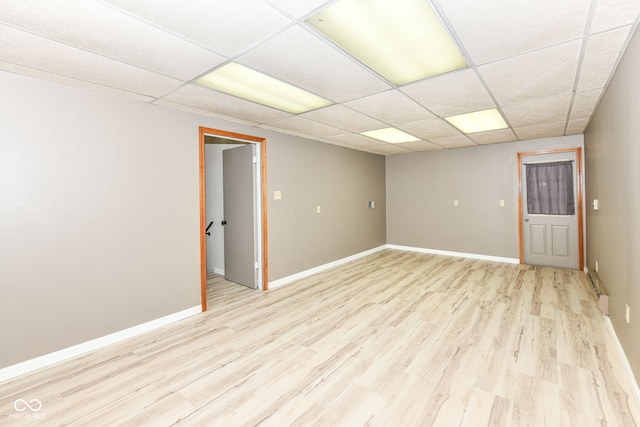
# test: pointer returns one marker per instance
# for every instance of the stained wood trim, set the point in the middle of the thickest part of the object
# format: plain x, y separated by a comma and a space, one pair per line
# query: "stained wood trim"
578, 154
263, 179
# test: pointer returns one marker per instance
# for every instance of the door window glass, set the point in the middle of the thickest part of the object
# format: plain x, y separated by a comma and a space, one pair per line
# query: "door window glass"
550, 188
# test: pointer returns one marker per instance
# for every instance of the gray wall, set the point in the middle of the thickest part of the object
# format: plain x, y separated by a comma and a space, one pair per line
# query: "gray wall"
99, 212
340, 181
612, 152
421, 188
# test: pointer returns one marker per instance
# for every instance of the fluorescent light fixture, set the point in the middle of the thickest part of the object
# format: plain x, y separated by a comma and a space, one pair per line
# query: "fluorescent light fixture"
243, 82
402, 40
391, 135
479, 121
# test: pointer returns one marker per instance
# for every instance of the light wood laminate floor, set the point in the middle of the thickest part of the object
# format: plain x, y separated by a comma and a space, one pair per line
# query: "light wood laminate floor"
393, 339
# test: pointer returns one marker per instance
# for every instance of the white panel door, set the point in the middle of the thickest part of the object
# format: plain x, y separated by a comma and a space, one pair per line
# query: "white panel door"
549, 239
239, 215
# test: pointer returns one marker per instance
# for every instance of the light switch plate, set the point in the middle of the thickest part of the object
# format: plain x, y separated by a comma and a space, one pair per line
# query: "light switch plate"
277, 195
455, 202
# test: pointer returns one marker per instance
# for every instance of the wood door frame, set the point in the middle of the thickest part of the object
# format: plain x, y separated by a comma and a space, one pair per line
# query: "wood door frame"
263, 191
578, 154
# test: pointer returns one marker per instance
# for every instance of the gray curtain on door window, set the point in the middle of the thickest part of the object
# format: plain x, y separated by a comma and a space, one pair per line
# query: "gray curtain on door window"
550, 188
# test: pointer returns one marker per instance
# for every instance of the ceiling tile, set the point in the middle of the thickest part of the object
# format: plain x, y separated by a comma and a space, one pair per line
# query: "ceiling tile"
361, 142
392, 107
211, 23
451, 94
584, 104
490, 30
600, 57
22, 48
344, 118
494, 136
300, 8
203, 112
300, 58
546, 130
420, 146
454, 142
576, 127
540, 74
614, 13
430, 129
304, 126
216, 102
104, 30
538, 111
57, 78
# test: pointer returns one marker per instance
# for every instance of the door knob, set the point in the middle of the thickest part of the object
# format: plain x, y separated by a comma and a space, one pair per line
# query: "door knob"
526, 220
224, 222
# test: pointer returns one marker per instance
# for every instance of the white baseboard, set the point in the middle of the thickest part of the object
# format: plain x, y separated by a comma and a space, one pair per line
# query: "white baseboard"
627, 367
77, 350
455, 254
320, 268
219, 271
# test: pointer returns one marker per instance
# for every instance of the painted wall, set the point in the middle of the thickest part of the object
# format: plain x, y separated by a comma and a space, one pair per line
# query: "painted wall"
215, 206
99, 212
422, 187
612, 152
340, 181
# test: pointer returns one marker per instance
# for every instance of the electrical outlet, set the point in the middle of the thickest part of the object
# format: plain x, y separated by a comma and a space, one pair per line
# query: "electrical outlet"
626, 312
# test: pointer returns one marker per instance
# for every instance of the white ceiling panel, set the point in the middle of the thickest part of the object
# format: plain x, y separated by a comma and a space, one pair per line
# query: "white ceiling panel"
540, 74
227, 27
545, 130
577, 126
70, 81
303, 126
454, 142
614, 13
22, 48
538, 111
182, 107
210, 100
344, 118
490, 30
101, 29
602, 53
299, 8
361, 142
494, 136
420, 146
300, 58
584, 104
451, 94
430, 129
392, 107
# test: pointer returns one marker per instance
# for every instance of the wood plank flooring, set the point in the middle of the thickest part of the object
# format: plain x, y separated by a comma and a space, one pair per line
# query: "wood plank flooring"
393, 339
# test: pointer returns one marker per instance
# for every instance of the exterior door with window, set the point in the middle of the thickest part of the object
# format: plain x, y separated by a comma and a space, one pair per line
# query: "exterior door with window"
550, 209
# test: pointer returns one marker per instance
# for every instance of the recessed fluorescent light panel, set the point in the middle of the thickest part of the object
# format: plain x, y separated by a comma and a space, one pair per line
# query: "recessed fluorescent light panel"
402, 40
480, 121
391, 135
243, 82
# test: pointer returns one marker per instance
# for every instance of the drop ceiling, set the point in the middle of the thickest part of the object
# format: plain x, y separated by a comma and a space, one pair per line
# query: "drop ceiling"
543, 64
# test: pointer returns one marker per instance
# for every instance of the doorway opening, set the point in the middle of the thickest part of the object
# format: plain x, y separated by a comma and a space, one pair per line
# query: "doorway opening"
550, 217
260, 230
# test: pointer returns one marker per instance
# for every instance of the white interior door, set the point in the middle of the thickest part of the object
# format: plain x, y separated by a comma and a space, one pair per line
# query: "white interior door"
550, 223
240, 255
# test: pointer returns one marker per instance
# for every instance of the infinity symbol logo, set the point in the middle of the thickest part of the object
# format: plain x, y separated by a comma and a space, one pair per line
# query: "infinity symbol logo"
21, 405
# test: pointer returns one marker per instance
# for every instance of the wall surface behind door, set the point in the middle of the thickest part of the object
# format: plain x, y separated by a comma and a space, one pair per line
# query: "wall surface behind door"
422, 187
215, 205
612, 151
